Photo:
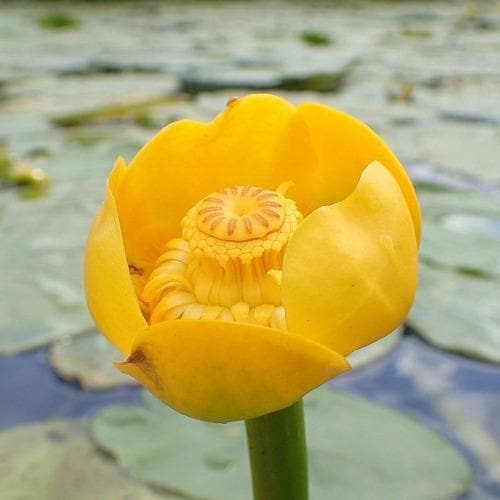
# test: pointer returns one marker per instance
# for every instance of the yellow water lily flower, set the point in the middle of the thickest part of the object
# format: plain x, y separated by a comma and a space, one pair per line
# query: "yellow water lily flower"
236, 263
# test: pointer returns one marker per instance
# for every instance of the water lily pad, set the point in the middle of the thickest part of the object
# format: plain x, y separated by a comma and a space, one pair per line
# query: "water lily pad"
42, 249
88, 359
41, 256
437, 204
462, 230
456, 307
464, 242
334, 81
376, 350
458, 312
357, 450
437, 178
57, 460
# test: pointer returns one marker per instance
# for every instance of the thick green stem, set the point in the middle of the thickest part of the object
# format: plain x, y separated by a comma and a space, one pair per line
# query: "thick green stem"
278, 455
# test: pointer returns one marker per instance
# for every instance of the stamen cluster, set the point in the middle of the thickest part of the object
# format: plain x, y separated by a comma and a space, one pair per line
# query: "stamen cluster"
227, 265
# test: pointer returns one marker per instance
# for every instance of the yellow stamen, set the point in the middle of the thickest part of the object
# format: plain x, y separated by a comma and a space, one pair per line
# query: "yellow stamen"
227, 265
240, 213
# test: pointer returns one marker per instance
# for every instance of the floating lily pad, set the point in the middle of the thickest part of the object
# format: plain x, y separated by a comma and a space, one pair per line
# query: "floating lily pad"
458, 312
334, 81
464, 242
462, 230
456, 307
42, 248
438, 204
438, 178
376, 350
194, 83
41, 257
88, 359
356, 449
57, 460
450, 142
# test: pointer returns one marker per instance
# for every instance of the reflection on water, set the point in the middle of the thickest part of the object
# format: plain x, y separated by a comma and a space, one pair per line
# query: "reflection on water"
94, 80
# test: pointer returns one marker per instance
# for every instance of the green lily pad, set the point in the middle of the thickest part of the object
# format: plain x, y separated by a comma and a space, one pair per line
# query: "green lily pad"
41, 256
435, 204
57, 460
430, 177
360, 450
356, 449
88, 359
374, 351
458, 312
462, 230
456, 307
42, 249
464, 242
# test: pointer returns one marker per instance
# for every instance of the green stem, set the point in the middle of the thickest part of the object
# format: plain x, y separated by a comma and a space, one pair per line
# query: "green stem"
278, 455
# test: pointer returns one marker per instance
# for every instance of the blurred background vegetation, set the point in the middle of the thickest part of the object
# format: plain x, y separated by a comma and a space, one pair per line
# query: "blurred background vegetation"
84, 82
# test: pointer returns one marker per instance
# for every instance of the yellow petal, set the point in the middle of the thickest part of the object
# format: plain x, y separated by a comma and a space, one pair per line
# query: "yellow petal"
117, 175
188, 160
350, 269
110, 294
326, 152
218, 371
260, 140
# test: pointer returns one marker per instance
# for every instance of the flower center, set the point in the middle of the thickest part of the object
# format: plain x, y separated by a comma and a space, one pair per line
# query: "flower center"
241, 213
227, 265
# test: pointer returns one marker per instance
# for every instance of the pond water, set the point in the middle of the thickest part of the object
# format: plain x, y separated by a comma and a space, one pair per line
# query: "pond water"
84, 82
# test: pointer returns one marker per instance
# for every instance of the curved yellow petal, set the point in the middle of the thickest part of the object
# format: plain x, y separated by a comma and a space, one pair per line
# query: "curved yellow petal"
259, 140
110, 295
350, 269
219, 371
188, 160
116, 175
327, 150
